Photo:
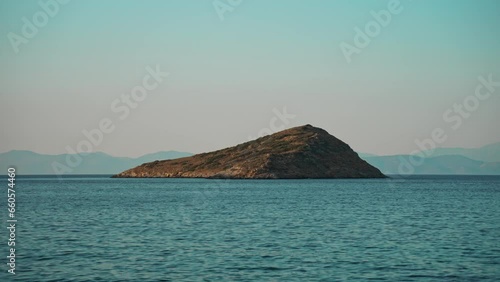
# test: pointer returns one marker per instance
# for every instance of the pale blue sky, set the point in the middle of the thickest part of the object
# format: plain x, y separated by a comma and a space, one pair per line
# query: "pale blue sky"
227, 76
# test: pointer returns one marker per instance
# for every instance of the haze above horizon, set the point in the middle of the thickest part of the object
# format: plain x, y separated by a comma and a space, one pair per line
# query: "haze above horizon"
266, 66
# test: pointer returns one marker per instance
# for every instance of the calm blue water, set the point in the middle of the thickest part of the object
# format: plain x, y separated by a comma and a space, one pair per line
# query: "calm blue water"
102, 229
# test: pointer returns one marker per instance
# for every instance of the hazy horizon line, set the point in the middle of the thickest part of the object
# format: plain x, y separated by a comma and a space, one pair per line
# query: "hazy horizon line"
173, 150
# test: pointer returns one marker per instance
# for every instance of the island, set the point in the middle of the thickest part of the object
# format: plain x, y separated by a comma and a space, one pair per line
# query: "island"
297, 153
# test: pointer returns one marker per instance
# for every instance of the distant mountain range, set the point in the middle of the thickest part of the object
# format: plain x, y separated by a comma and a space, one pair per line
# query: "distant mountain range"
27, 162
484, 160
488, 153
477, 161
452, 164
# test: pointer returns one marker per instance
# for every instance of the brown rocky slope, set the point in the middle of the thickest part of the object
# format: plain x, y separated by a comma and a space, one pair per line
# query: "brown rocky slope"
299, 152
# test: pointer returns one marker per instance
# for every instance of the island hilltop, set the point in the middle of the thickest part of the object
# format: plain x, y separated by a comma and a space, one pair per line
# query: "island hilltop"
299, 152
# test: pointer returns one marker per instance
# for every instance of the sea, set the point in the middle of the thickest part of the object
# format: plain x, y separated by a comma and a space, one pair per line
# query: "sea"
97, 228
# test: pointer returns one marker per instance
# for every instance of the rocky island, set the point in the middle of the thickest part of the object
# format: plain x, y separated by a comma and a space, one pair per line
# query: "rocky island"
295, 153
